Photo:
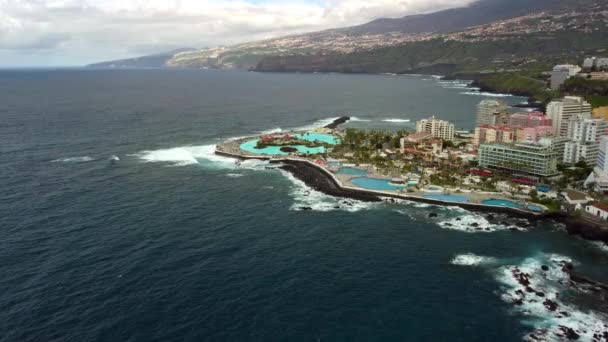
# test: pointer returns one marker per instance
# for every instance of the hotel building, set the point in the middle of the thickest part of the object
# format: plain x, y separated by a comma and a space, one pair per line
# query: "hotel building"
438, 128
534, 159
492, 112
560, 112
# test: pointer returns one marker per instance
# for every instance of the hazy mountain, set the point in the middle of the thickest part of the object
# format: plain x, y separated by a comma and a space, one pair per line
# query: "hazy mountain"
426, 31
149, 61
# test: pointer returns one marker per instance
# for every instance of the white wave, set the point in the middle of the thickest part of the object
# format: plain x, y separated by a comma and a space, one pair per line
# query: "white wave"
472, 223
235, 175
437, 77
306, 198
317, 124
471, 259
397, 120
191, 155
356, 119
476, 93
272, 131
600, 245
73, 160
534, 300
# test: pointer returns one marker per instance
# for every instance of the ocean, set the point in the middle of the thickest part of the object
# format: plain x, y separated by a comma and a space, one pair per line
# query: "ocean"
173, 243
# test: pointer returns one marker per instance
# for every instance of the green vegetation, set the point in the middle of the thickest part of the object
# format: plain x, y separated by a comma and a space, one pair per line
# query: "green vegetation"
595, 91
513, 83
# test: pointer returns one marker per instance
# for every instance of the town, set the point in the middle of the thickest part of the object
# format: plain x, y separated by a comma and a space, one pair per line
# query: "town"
554, 161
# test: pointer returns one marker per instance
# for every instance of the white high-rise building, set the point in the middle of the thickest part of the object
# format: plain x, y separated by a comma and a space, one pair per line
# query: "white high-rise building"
599, 177
562, 111
438, 128
561, 73
492, 112
584, 135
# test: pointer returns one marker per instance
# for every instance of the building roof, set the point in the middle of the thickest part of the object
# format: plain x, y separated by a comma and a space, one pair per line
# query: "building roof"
600, 206
419, 136
574, 195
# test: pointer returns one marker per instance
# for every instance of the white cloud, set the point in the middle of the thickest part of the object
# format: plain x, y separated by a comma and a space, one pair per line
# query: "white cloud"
81, 31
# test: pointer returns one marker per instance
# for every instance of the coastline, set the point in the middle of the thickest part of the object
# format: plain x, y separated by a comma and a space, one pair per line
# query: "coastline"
321, 179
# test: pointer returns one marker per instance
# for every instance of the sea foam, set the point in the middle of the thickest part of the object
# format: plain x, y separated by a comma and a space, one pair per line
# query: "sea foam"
471, 259
394, 120
542, 300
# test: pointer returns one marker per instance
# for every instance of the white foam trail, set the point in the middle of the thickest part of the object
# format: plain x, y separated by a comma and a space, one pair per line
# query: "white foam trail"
397, 120
545, 289
471, 259
306, 198
356, 119
235, 175
73, 160
476, 93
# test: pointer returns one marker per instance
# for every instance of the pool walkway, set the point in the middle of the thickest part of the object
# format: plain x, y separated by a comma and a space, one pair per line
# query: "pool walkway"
474, 199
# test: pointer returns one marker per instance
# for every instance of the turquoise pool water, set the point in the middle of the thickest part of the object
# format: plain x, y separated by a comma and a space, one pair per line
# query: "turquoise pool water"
276, 150
511, 204
351, 171
312, 136
448, 198
376, 184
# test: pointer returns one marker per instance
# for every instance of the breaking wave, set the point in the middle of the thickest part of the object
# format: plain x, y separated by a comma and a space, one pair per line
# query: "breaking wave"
397, 120
192, 155
471, 259
356, 119
308, 199
477, 93
73, 160
538, 288
473, 223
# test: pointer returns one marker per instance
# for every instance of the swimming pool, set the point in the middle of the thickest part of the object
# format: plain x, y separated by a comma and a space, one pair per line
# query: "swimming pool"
352, 171
250, 147
376, 184
312, 137
512, 204
448, 198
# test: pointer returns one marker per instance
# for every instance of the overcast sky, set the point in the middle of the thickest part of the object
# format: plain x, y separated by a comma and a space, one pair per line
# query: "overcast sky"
77, 32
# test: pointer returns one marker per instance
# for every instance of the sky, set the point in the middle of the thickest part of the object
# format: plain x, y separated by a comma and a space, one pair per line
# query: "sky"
78, 32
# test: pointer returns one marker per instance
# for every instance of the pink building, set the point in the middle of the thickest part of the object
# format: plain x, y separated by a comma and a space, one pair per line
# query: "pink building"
531, 119
533, 134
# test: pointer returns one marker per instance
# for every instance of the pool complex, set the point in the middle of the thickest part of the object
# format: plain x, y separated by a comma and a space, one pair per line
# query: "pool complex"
351, 171
511, 204
376, 184
448, 198
312, 136
250, 146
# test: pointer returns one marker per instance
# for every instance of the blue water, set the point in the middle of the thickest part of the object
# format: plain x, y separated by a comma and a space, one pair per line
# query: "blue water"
448, 198
172, 243
352, 171
511, 204
376, 184
250, 146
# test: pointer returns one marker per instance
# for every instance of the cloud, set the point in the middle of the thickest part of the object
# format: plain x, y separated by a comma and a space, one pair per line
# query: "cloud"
83, 31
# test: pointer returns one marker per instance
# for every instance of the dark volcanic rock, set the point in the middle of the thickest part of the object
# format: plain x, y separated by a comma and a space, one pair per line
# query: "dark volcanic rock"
569, 333
550, 305
306, 208
475, 224
338, 122
288, 149
433, 215
318, 180
545, 268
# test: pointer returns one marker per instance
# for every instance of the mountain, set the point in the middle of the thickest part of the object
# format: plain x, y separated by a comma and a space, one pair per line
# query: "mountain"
475, 36
534, 41
456, 19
